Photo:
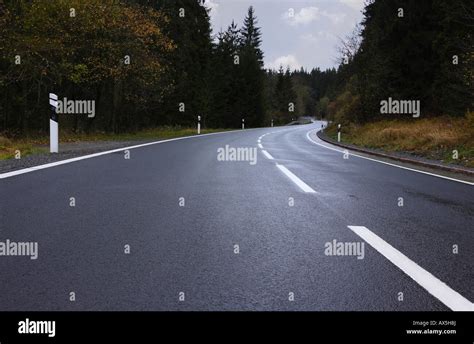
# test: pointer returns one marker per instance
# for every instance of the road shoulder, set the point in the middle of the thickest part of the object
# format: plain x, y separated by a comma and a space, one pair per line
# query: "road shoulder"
420, 164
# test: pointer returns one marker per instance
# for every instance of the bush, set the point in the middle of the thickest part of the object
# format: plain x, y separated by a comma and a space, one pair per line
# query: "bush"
345, 108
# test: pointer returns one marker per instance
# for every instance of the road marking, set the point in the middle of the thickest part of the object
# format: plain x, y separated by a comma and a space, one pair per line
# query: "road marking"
260, 146
386, 163
268, 156
301, 184
433, 285
259, 141
67, 161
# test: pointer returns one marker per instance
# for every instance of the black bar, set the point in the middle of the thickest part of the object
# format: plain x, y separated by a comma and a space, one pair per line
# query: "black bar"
321, 327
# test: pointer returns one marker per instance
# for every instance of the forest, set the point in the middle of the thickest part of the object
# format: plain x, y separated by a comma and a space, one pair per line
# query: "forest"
150, 63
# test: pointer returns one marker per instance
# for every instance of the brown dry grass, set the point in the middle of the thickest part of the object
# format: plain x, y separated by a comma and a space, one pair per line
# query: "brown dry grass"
435, 138
30, 145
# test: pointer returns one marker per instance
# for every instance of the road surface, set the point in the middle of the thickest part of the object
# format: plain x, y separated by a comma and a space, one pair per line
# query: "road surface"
249, 236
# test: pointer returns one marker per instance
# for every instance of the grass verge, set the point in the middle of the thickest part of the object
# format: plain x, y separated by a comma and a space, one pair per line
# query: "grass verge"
433, 138
33, 144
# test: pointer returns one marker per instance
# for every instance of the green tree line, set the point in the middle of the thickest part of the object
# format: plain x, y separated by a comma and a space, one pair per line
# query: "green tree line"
150, 63
407, 50
144, 63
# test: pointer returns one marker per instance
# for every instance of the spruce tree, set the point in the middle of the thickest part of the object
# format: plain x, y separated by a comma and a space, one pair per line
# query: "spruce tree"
252, 103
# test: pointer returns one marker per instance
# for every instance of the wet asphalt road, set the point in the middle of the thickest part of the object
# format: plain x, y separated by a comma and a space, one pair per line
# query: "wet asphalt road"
281, 232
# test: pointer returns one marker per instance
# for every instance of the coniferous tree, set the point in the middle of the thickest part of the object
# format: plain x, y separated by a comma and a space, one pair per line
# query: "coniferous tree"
190, 64
252, 104
227, 83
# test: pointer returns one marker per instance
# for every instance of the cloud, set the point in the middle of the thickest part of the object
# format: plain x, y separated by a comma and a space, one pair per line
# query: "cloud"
213, 6
354, 4
336, 18
284, 61
307, 15
316, 37
304, 16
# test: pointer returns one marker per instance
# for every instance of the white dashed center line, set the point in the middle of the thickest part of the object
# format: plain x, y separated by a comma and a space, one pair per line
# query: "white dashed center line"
301, 184
267, 155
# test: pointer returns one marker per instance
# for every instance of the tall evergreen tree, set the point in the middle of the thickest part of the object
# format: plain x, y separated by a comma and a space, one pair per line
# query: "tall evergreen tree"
226, 80
252, 104
190, 64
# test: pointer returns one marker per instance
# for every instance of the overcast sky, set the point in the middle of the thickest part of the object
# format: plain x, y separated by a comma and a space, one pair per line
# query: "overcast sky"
295, 32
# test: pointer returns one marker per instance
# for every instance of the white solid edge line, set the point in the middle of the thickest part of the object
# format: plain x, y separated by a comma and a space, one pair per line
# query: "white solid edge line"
260, 146
301, 184
67, 161
267, 155
386, 163
433, 285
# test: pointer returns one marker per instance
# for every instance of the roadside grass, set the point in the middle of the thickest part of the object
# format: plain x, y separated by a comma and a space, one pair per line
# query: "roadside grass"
33, 143
433, 138
10, 148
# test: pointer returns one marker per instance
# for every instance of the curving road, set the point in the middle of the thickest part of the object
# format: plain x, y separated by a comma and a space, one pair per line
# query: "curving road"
249, 236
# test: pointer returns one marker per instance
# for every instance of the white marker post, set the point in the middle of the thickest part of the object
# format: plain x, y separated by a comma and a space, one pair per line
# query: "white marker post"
199, 125
53, 124
243, 123
272, 122
338, 133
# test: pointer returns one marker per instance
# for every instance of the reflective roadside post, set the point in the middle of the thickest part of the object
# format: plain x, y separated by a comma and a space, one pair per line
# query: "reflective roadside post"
338, 133
199, 125
53, 124
243, 123
272, 122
